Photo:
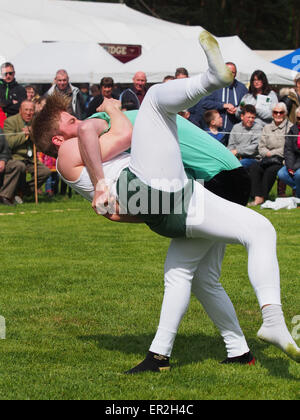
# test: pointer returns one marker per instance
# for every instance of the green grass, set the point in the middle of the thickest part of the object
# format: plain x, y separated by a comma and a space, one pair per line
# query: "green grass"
81, 298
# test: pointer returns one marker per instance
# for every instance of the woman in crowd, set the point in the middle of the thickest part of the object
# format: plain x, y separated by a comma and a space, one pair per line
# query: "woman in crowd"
290, 173
263, 174
261, 96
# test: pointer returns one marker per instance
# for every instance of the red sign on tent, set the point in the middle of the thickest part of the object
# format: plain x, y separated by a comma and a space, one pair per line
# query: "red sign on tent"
123, 52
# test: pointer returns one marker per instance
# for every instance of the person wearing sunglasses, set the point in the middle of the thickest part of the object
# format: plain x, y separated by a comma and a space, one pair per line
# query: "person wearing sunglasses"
11, 93
290, 173
263, 174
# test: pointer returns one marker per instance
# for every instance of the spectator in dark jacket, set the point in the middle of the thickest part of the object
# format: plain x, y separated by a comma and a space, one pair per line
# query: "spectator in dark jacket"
10, 173
226, 101
137, 93
106, 91
290, 173
11, 93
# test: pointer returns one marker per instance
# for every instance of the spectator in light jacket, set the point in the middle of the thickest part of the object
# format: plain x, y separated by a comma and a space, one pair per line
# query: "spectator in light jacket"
63, 86
244, 137
263, 174
261, 96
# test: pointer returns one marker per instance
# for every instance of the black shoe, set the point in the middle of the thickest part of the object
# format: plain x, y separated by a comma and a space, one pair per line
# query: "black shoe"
153, 363
245, 359
5, 201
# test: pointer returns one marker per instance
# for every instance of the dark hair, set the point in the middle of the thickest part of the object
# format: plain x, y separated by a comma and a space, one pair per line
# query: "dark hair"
107, 82
266, 89
167, 78
249, 108
210, 115
182, 70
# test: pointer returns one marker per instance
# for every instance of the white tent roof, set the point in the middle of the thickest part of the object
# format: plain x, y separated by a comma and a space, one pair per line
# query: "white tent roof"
271, 55
166, 45
58, 20
84, 62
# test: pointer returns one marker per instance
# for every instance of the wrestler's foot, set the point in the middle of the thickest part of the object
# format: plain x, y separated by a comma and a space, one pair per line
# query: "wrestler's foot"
245, 359
153, 363
215, 60
274, 331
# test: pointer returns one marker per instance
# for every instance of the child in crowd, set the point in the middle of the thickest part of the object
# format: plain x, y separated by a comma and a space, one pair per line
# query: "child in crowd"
51, 186
214, 122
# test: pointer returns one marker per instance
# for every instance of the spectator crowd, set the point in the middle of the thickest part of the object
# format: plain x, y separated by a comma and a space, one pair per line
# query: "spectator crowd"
259, 126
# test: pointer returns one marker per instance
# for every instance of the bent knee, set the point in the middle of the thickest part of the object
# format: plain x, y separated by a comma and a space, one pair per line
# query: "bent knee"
19, 165
265, 231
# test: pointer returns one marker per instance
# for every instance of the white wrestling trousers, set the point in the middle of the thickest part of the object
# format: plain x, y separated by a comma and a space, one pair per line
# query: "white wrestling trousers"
155, 155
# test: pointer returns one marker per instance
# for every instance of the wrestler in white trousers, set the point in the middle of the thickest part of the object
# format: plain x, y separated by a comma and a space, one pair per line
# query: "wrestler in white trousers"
211, 222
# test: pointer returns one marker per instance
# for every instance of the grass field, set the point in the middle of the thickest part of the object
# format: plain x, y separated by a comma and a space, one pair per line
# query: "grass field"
81, 298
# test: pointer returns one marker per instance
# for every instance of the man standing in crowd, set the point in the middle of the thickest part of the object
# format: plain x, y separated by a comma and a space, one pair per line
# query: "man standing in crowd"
226, 101
137, 93
63, 86
10, 172
11, 93
244, 137
17, 131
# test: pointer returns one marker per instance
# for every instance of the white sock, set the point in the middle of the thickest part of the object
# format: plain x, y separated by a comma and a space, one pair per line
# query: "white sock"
215, 60
275, 331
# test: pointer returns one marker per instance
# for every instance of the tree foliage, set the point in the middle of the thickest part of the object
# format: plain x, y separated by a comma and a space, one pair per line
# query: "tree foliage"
261, 24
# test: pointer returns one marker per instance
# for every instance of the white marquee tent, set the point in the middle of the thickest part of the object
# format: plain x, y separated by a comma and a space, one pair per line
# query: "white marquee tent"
165, 46
84, 62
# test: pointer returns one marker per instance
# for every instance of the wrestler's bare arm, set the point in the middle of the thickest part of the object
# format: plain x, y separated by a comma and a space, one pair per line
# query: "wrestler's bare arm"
88, 134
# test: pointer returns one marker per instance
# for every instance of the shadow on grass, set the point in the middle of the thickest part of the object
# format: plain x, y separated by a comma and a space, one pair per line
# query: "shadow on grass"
191, 349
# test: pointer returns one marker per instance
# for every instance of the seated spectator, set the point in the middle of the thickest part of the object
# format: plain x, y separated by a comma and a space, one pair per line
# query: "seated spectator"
291, 97
290, 173
181, 73
226, 101
261, 96
10, 173
214, 122
106, 91
137, 93
245, 136
17, 131
263, 174
2, 118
